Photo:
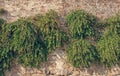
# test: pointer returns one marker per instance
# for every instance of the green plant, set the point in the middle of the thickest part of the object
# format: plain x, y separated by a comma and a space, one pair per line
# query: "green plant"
81, 53
21, 40
2, 21
5, 60
52, 32
81, 24
114, 23
109, 44
108, 48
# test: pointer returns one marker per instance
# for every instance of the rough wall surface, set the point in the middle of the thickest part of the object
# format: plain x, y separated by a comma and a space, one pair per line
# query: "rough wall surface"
57, 65
22, 8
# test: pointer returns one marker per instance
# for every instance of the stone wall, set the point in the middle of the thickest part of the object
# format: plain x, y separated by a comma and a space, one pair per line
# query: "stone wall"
22, 8
57, 64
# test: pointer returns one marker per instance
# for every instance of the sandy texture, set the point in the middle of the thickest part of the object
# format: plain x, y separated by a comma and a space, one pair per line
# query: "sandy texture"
24, 8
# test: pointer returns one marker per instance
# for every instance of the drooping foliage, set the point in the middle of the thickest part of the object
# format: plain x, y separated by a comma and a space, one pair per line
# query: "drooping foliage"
81, 53
21, 40
1, 23
108, 48
51, 29
109, 44
114, 24
81, 24
28, 44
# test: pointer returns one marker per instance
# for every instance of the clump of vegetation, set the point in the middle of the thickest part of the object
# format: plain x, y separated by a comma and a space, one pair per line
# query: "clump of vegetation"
2, 21
29, 41
81, 53
114, 24
1, 59
51, 30
81, 24
108, 49
21, 40
109, 44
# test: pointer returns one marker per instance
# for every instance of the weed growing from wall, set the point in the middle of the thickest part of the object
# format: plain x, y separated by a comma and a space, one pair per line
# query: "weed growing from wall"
51, 29
109, 44
81, 24
21, 40
81, 53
